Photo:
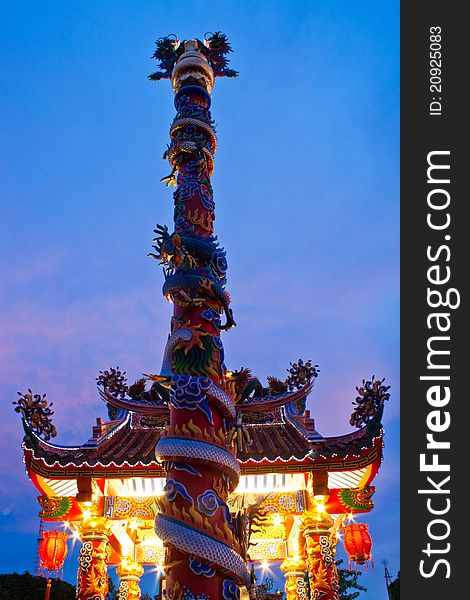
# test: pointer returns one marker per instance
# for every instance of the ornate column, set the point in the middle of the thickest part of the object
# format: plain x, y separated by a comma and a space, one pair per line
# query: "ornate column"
294, 568
320, 549
92, 578
129, 573
202, 557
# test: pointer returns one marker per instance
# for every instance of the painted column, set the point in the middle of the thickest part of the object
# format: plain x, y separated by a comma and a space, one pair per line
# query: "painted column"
320, 551
129, 573
294, 568
202, 546
92, 578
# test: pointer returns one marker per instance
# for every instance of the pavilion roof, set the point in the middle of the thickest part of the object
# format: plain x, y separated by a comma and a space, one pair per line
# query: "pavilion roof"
127, 448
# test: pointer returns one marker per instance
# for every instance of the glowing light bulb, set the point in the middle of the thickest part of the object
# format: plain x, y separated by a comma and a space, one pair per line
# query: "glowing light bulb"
86, 514
265, 565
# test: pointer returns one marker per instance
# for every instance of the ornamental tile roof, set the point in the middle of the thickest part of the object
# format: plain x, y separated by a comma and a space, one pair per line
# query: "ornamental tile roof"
273, 441
129, 446
126, 444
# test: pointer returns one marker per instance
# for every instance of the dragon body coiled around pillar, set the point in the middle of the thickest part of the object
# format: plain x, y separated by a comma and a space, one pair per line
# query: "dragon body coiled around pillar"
190, 288
192, 137
203, 545
172, 449
178, 250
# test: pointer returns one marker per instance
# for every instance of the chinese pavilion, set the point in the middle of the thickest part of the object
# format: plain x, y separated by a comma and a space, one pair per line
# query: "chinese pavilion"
199, 470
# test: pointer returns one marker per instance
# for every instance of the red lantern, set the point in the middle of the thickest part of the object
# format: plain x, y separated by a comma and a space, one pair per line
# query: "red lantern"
53, 549
357, 542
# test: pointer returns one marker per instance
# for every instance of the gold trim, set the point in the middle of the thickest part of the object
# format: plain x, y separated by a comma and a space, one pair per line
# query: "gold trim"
365, 477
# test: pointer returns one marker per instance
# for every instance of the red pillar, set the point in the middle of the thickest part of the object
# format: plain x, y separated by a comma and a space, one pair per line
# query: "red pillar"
202, 546
92, 578
320, 551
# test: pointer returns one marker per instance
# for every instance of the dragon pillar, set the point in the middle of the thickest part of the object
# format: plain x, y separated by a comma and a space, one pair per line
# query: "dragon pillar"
92, 578
320, 550
203, 558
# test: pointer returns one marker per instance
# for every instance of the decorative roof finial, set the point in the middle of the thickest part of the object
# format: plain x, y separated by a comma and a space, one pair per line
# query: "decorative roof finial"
192, 62
192, 68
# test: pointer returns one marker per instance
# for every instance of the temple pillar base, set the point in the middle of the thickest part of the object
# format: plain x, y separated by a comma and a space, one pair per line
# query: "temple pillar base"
294, 569
129, 573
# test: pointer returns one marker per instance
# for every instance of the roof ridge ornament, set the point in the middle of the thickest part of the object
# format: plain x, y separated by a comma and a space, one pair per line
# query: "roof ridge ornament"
369, 404
36, 413
192, 62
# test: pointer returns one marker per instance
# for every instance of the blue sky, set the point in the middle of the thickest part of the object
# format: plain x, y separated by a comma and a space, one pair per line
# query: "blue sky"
307, 192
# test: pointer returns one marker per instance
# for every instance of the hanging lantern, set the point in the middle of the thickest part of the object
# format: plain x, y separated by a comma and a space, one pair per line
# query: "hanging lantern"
357, 543
53, 549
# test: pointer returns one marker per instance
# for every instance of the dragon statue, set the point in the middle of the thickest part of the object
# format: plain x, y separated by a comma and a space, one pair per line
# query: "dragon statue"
203, 550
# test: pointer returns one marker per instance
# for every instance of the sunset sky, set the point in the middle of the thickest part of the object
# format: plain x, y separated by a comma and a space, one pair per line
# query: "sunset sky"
306, 186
